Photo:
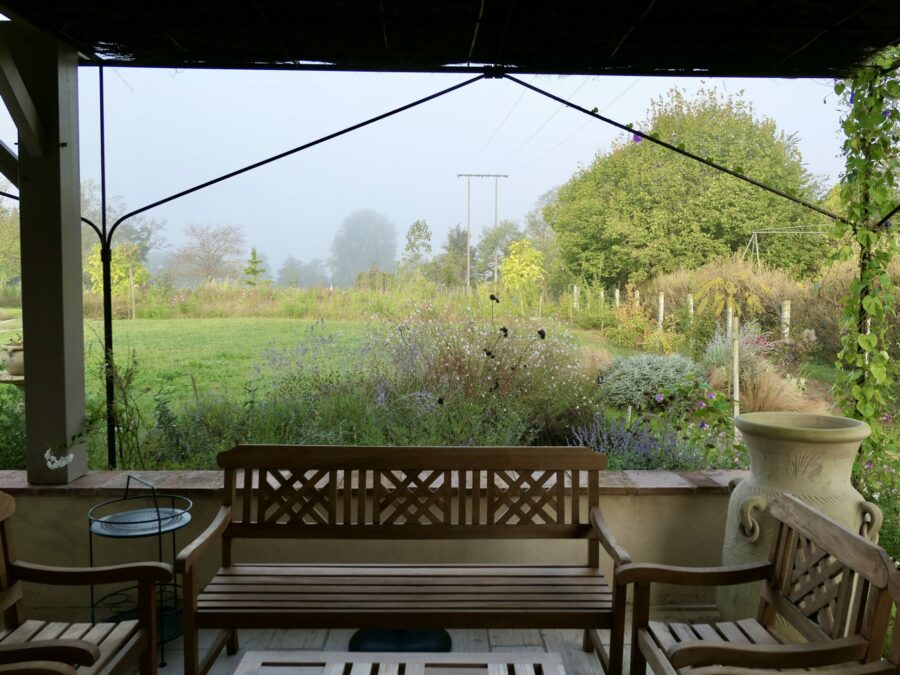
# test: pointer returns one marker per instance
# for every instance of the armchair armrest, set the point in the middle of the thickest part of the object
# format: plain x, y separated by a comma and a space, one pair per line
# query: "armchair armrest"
88, 576
693, 576
38, 668
809, 655
618, 554
72, 652
190, 553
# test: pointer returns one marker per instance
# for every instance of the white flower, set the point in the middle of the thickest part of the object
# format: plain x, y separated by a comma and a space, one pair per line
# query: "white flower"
54, 462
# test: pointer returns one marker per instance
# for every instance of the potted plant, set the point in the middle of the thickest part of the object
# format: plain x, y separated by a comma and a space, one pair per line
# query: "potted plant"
15, 356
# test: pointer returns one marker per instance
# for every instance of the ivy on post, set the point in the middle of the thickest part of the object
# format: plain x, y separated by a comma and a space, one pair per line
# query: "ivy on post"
869, 196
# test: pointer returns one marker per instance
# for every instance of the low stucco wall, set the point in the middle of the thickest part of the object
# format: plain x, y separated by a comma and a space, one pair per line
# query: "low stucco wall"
675, 518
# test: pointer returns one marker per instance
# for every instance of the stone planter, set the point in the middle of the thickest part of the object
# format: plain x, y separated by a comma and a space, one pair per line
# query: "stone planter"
809, 456
15, 360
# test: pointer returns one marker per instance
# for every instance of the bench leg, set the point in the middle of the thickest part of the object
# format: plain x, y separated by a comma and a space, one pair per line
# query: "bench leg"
231, 645
586, 643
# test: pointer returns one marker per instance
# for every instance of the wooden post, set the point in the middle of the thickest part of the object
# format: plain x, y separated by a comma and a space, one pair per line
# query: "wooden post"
661, 311
786, 319
690, 307
729, 315
736, 366
617, 298
602, 296
637, 297
575, 294
50, 209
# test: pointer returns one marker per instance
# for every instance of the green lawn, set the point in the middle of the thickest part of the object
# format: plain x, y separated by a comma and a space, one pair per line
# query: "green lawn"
216, 354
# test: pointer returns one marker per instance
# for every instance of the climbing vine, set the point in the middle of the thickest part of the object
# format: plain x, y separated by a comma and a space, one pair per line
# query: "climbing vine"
868, 196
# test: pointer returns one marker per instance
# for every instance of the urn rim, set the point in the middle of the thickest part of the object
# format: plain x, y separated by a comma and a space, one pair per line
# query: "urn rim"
803, 426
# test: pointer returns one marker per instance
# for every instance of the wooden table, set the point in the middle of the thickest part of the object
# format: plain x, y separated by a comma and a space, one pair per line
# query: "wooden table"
389, 663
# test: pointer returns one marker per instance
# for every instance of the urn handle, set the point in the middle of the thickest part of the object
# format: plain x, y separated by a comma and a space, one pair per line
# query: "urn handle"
872, 518
748, 521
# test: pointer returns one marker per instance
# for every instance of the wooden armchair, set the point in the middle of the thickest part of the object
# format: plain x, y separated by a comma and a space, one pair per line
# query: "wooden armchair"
833, 588
31, 647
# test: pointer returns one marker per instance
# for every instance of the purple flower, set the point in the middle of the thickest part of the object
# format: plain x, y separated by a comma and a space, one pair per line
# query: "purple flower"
887, 418
852, 97
711, 396
704, 425
636, 139
659, 398
701, 405
868, 465
886, 113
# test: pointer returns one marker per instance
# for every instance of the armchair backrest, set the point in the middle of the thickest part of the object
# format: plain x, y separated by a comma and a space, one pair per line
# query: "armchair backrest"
10, 590
829, 583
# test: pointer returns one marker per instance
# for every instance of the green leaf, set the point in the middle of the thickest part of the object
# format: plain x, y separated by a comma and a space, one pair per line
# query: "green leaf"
867, 342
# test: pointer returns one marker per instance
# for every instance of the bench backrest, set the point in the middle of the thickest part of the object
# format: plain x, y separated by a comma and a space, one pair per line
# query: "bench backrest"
829, 583
408, 493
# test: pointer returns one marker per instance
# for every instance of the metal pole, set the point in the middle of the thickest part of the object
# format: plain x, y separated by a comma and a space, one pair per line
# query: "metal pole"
105, 260
496, 201
468, 232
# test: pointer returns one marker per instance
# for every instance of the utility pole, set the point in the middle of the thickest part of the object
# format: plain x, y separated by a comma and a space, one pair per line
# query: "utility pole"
469, 177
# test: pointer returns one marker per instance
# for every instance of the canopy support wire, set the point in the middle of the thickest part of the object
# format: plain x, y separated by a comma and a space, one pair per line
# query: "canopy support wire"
680, 151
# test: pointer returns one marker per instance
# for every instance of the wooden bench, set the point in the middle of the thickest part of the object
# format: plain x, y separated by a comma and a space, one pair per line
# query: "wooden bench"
831, 591
30, 646
295, 492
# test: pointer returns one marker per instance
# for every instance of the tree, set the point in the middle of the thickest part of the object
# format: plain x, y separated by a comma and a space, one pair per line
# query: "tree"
295, 273
210, 253
365, 238
418, 246
523, 270
493, 245
538, 232
449, 267
10, 257
126, 272
141, 230
255, 271
642, 210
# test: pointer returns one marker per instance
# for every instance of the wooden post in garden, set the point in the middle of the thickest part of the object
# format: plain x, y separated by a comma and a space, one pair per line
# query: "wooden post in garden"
637, 297
729, 315
576, 292
736, 366
786, 319
616, 297
691, 307
602, 296
661, 311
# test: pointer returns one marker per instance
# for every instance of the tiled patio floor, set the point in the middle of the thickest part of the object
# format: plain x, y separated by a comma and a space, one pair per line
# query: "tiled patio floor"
567, 643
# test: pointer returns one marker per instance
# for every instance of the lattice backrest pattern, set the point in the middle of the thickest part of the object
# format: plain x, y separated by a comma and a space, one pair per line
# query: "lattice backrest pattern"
469, 486
837, 581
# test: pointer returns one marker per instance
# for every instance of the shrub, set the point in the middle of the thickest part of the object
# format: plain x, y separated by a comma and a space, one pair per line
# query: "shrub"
636, 380
630, 327
651, 442
12, 428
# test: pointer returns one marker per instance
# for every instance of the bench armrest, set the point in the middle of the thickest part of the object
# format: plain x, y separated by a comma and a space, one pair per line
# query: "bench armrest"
607, 539
72, 652
693, 576
90, 576
190, 553
809, 655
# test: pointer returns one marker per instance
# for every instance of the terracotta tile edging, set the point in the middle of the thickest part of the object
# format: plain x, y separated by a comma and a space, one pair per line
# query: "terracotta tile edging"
102, 483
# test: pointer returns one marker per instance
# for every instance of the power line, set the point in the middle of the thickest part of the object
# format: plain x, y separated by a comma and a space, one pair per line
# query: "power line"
497, 130
543, 124
579, 129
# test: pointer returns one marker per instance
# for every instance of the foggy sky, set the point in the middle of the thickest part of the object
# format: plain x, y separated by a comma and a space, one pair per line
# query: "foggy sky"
168, 130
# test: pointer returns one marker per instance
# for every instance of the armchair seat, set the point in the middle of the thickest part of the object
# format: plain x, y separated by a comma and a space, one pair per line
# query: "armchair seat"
113, 640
